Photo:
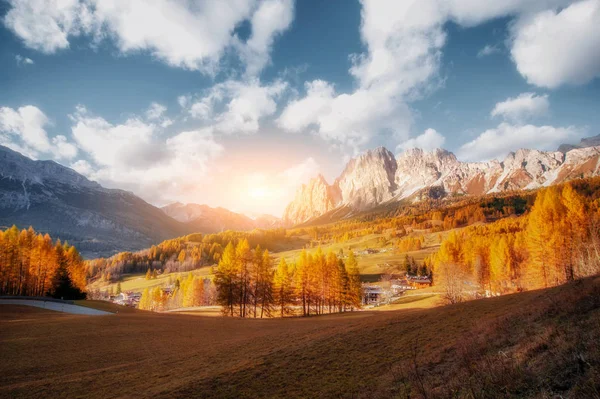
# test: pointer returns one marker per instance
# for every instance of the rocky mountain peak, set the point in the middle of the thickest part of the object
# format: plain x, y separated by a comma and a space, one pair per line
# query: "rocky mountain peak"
311, 200
368, 179
376, 176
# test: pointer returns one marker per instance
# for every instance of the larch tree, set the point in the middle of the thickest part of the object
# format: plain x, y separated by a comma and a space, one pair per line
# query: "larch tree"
283, 287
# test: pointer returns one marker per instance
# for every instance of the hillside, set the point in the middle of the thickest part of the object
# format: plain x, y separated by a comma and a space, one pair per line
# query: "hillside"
538, 343
57, 200
100, 222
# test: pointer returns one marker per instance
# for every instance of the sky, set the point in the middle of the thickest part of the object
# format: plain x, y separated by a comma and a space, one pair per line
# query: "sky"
235, 103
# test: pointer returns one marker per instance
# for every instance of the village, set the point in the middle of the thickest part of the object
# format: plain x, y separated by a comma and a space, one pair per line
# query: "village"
386, 291
391, 288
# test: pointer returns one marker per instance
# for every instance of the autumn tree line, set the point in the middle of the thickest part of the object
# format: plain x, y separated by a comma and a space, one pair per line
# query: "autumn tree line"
556, 242
31, 264
181, 254
248, 285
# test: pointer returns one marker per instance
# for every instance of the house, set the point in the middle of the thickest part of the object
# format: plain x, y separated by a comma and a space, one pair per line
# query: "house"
419, 281
372, 294
400, 285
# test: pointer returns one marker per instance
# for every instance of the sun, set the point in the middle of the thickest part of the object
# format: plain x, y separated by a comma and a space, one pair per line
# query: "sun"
259, 192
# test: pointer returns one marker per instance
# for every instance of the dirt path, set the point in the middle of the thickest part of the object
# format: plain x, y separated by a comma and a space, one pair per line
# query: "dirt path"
56, 306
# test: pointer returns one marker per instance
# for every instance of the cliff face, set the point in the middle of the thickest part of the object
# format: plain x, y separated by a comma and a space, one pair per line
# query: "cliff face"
368, 179
377, 177
312, 199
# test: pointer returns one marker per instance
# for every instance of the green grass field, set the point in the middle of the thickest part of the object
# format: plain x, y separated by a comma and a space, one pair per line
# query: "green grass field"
138, 282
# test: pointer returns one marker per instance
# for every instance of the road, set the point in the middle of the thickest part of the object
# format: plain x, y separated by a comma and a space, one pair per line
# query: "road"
56, 306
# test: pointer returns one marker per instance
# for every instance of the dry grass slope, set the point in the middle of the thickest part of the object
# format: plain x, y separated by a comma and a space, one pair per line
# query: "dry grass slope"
533, 344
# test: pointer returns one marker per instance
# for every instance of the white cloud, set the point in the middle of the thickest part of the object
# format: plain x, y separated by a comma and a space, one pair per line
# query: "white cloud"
522, 107
21, 61
188, 34
552, 48
134, 156
487, 50
62, 148
183, 101
156, 113
496, 143
272, 18
23, 130
243, 104
428, 141
83, 167
45, 25
404, 42
28, 123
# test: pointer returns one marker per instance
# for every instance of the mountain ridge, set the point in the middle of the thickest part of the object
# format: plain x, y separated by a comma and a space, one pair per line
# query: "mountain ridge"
100, 221
208, 219
377, 176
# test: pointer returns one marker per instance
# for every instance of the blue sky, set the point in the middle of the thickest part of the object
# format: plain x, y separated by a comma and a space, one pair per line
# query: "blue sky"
235, 103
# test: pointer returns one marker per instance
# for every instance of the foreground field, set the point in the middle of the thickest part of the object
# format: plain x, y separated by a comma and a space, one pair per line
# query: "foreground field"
534, 344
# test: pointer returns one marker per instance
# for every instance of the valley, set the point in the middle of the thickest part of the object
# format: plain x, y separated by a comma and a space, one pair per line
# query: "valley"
351, 199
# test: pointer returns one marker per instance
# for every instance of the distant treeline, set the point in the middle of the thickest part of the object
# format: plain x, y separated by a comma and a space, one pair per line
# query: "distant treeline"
180, 254
32, 265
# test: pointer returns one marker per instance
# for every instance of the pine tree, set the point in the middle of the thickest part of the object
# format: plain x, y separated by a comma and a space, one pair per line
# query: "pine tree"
119, 288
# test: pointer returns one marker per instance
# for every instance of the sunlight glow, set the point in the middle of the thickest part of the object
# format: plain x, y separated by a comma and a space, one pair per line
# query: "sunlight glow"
259, 192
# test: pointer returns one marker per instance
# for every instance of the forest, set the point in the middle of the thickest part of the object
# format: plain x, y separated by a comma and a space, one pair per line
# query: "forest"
556, 242
32, 265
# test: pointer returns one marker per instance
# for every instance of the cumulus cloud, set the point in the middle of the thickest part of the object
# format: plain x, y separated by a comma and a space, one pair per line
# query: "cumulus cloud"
156, 113
404, 42
428, 141
524, 106
271, 18
23, 130
135, 156
188, 34
22, 61
236, 106
496, 143
46, 25
552, 48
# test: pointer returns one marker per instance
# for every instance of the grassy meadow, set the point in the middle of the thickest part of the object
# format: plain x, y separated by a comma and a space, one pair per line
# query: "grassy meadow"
533, 344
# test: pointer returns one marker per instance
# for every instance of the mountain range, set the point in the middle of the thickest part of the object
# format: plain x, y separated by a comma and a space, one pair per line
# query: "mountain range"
378, 177
57, 200
100, 221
